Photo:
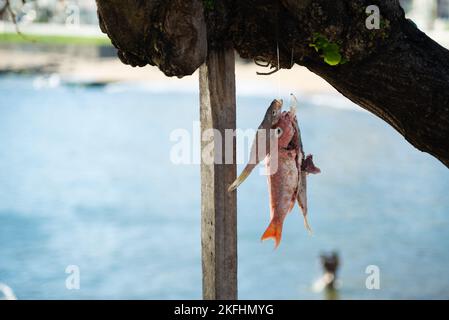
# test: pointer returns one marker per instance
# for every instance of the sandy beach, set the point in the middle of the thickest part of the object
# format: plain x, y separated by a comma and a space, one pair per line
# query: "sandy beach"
71, 67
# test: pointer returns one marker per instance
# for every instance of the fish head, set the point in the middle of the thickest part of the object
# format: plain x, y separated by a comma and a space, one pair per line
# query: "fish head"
284, 130
274, 112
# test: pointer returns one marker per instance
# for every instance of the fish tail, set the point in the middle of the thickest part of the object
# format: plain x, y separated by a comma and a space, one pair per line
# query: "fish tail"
274, 231
307, 225
306, 221
242, 177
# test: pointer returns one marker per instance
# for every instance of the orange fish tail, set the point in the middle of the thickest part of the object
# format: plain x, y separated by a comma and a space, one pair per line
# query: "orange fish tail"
274, 231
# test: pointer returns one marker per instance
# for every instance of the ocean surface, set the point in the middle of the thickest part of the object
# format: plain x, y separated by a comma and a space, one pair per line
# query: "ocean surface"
86, 180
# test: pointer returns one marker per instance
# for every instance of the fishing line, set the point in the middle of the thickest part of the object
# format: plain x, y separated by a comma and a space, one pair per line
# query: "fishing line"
277, 50
279, 69
292, 96
291, 61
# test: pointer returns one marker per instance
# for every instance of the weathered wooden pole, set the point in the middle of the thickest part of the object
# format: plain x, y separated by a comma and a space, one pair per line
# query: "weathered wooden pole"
218, 206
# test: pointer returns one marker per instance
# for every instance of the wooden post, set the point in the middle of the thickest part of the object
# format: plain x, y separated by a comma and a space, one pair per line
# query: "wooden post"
218, 206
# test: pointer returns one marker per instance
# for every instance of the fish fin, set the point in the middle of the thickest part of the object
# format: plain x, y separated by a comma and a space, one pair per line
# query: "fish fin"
242, 177
304, 215
302, 202
292, 205
308, 165
307, 225
302, 194
274, 231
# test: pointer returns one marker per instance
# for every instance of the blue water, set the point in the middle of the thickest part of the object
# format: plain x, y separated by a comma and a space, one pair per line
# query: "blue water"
86, 180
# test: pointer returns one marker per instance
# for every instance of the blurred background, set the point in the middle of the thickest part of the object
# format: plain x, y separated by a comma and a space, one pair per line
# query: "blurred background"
86, 177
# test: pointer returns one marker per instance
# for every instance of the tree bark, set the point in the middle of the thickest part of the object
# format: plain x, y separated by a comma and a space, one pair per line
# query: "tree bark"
406, 84
395, 72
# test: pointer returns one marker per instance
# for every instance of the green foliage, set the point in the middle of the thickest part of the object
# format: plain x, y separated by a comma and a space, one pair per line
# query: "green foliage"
209, 4
329, 51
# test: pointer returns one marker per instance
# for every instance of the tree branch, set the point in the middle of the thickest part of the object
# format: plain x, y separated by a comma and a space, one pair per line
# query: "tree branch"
396, 72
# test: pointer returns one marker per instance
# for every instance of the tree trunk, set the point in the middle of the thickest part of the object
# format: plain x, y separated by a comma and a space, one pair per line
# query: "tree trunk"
218, 206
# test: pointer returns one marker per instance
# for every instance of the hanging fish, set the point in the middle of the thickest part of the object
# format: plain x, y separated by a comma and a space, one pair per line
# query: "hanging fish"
262, 137
283, 180
287, 182
306, 165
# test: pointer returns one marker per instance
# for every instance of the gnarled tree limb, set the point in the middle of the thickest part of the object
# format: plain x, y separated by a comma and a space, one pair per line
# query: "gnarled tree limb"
396, 72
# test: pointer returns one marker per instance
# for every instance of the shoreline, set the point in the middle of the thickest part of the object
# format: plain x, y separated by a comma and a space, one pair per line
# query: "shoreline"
85, 66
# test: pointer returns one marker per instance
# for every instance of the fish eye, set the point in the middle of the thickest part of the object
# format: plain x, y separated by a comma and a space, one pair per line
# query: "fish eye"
278, 132
274, 112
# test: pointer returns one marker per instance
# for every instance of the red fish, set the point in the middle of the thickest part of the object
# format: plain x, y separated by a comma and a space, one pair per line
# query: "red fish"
287, 171
283, 175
